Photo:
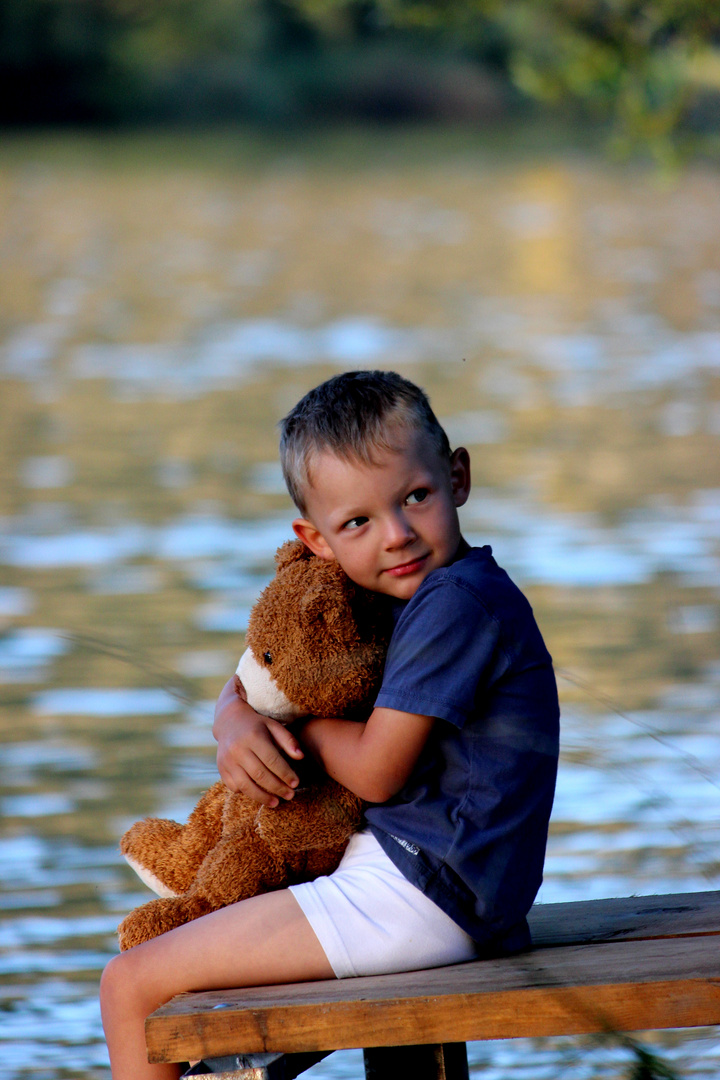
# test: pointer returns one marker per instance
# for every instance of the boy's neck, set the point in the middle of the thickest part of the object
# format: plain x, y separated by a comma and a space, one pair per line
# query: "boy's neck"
462, 550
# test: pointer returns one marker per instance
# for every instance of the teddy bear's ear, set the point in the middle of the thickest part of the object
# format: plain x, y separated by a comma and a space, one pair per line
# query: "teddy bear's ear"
292, 551
324, 603
313, 602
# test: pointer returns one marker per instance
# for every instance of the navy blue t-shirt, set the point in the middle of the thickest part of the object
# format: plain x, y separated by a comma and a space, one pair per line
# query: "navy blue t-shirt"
470, 826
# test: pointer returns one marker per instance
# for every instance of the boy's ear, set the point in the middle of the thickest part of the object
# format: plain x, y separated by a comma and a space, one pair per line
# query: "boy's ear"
312, 538
460, 475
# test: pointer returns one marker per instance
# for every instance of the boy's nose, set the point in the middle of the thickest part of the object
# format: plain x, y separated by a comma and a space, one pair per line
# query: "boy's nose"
399, 532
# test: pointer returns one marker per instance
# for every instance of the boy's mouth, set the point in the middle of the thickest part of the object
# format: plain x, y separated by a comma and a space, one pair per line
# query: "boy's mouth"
408, 567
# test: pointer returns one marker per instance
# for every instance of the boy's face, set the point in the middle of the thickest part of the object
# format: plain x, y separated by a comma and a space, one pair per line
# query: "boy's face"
388, 524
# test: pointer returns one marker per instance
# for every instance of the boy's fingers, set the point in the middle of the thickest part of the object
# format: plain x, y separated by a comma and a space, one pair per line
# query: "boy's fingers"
247, 787
285, 739
273, 773
239, 780
251, 759
259, 779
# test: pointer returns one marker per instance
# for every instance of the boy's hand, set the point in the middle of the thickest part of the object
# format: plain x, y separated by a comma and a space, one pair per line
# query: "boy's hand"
250, 750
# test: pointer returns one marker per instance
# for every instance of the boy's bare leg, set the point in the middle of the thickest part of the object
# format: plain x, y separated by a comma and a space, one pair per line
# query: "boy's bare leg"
257, 942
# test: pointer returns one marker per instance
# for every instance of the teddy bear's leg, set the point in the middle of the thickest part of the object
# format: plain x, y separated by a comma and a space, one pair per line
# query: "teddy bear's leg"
321, 862
155, 918
165, 855
237, 868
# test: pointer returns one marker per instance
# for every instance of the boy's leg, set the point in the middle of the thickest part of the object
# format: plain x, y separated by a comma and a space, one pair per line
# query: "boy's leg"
257, 942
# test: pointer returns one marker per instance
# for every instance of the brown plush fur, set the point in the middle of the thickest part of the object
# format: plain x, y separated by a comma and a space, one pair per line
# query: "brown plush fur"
323, 641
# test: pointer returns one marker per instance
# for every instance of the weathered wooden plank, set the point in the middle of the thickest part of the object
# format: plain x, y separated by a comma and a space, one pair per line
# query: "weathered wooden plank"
626, 918
623, 986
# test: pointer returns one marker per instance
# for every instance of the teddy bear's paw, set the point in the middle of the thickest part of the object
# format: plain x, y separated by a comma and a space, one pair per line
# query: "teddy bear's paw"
148, 878
149, 848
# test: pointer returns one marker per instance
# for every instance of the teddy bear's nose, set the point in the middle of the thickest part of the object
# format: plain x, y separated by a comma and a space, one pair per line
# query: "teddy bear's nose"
267, 657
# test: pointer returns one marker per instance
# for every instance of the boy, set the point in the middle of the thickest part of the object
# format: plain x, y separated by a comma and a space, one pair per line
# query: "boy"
458, 757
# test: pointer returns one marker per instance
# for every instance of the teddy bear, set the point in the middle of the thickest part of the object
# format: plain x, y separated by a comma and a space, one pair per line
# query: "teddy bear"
315, 645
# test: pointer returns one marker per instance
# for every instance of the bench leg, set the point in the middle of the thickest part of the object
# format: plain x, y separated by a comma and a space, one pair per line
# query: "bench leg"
443, 1061
273, 1066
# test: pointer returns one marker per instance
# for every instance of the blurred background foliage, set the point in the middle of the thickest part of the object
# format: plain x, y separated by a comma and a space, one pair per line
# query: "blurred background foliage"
648, 69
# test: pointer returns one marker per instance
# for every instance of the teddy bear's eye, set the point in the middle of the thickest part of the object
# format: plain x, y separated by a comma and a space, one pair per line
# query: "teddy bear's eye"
267, 657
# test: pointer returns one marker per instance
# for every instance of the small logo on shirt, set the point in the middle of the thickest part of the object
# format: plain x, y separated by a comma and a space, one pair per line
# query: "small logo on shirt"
412, 848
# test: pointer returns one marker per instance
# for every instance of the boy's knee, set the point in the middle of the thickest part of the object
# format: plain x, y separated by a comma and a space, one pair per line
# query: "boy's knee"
117, 983
109, 981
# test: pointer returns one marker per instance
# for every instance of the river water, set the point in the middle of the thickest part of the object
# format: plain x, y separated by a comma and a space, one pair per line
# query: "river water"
163, 301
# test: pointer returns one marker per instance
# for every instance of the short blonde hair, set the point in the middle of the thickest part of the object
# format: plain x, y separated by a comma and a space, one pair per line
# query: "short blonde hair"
352, 415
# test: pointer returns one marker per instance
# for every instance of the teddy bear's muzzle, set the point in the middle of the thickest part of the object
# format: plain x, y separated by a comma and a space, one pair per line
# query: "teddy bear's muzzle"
262, 693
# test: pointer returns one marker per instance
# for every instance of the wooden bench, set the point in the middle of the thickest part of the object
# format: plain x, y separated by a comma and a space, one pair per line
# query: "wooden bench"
595, 966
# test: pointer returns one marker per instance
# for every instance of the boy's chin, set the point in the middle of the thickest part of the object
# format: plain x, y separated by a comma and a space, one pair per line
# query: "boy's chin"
403, 588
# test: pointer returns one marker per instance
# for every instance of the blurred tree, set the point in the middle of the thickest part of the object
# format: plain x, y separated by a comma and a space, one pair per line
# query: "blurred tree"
629, 60
635, 62
204, 60
55, 60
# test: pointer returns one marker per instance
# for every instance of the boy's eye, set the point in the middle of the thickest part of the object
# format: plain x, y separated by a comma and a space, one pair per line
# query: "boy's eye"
354, 523
417, 496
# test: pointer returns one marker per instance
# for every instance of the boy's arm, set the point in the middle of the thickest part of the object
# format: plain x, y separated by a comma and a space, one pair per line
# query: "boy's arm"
374, 759
251, 748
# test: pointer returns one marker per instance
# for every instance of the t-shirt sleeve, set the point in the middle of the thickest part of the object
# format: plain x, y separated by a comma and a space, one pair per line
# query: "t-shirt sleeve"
444, 651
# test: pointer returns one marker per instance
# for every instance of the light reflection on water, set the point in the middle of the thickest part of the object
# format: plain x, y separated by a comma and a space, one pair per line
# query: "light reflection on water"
565, 318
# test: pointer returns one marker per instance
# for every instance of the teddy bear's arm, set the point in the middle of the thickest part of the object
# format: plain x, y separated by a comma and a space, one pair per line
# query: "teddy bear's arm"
165, 855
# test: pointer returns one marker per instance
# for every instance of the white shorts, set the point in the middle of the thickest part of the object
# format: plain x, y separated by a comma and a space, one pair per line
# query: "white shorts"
370, 920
